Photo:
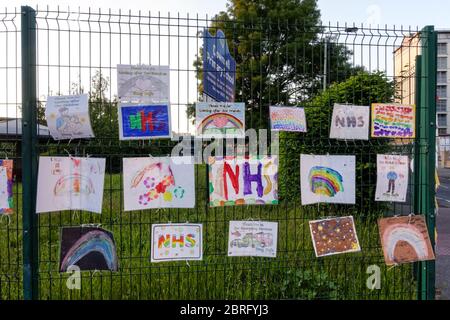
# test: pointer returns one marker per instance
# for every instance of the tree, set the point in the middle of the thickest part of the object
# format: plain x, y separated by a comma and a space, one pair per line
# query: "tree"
279, 54
361, 89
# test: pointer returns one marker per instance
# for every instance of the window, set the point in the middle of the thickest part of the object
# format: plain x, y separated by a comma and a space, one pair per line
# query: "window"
442, 77
442, 48
442, 120
442, 63
442, 132
441, 105
442, 92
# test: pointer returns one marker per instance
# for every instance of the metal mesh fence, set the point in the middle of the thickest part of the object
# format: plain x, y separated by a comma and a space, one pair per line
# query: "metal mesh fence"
278, 62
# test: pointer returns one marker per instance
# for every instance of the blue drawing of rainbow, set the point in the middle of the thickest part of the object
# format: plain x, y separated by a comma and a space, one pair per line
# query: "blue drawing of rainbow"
96, 240
325, 181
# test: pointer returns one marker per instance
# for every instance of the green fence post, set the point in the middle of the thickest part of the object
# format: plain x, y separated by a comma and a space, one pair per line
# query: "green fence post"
425, 166
29, 154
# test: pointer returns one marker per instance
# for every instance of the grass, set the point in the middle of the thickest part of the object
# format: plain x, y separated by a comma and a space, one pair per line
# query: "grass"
294, 274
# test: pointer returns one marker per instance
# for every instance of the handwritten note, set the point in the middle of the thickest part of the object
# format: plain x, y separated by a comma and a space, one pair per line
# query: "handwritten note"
393, 121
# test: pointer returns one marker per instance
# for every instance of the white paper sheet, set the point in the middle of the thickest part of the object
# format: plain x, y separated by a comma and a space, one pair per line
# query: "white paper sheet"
158, 183
69, 183
327, 179
253, 238
68, 117
350, 122
392, 178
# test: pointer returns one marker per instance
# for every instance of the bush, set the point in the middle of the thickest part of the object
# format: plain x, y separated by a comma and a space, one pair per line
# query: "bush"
361, 89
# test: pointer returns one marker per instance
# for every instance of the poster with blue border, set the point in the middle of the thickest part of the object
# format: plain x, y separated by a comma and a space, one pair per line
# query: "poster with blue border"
144, 121
219, 68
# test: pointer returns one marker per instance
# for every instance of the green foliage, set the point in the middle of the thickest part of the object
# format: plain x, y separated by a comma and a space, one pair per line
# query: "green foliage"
361, 89
279, 54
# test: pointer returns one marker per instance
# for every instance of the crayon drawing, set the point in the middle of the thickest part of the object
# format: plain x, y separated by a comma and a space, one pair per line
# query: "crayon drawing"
243, 181
68, 117
69, 183
405, 239
143, 83
350, 122
287, 119
220, 120
329, 179
89, 248
253, 238
144, 121
334, 236
176, 241
392, 178
6, 187
158, 183
393, 121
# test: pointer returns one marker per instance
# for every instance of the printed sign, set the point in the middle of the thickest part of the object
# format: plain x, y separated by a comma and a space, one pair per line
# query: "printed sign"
158, 183
219, 68
287, 119
144, 121
405, 240
243, 181
220, 120
143, 84
253, 238
328, 179
176, 241
334, 236
6, 187
393, 121
350, 122
392, 178
68, 117
89, 248
69, 183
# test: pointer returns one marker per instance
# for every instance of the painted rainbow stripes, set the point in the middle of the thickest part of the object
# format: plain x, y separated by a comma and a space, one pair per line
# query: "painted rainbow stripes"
219, 120
325, 181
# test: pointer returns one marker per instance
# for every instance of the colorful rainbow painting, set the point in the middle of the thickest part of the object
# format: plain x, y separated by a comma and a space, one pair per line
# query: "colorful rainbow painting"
219, 121
325, 181
6, 187
86, 243
405, 239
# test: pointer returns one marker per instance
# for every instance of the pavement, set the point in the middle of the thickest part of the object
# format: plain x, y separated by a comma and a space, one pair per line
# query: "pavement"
443, 237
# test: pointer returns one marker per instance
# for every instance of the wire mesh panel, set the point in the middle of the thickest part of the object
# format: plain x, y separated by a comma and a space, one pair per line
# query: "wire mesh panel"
10, 142
286, 62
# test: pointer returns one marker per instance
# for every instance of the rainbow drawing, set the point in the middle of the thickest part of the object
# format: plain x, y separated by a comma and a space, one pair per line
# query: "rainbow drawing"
325, 181
405, 239
95, 240
74, 184
219, 121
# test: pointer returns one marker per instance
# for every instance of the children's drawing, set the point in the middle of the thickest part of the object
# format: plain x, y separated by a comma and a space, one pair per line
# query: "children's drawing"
144, 121
392, 178
158, 183
253, 238
243, 181
393, 121
329, 179
334, 236
68, 117
6, 187
287, 119
405, 239
350, 122
143, 84
176, 241
70, 183
220, 120
89, 248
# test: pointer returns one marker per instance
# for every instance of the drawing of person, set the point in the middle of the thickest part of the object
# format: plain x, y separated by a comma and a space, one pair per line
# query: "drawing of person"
67, 124
391, 176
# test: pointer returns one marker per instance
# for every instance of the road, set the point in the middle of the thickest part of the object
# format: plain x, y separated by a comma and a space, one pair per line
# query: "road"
443, 237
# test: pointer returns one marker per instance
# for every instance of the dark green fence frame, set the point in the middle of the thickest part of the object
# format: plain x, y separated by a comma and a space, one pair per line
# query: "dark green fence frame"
296, 273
